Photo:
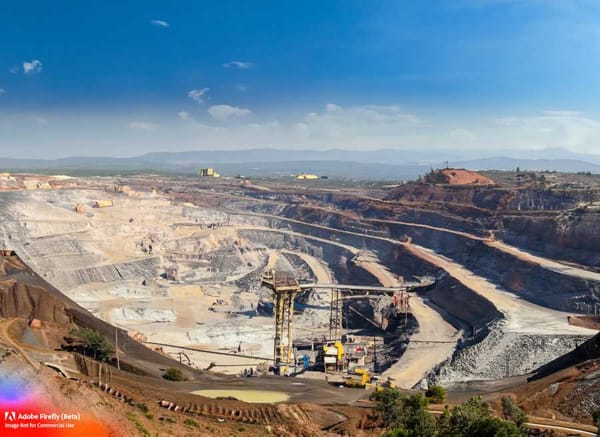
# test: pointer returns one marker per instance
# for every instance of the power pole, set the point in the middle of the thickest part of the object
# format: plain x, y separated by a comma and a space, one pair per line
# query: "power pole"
375, 366
117, 347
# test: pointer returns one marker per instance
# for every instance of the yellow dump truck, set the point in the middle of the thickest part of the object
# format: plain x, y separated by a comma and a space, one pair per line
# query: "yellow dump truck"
358, 379
103, 203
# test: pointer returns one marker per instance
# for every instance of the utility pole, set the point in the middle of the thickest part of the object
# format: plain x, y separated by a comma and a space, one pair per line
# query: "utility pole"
117, 347
375, 366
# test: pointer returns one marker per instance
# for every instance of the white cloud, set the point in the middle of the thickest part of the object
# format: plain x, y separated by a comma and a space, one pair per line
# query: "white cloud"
160, 23
2, 91
223, 112
184, 115
332, 107
242, 65
571, 130
14, 70
359, 127
462, 134
142, 125
32, 67
199, 95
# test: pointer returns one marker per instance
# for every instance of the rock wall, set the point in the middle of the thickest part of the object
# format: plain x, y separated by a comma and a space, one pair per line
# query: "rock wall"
573, 235
18, 299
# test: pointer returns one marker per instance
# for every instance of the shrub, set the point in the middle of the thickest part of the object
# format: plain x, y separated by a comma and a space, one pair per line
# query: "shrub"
142, 406
140, 427
436, 394
191, 422
173, 374
513, 413
596, 417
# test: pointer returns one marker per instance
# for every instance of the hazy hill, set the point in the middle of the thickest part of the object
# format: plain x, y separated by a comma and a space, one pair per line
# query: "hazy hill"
385, 164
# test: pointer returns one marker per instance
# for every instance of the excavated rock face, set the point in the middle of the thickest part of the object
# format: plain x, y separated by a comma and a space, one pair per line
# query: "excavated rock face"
26, 301
486, 197
10, 265
572, 235
588, 350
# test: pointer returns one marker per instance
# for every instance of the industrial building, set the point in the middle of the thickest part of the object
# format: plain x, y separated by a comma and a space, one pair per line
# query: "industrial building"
306, 176
209, 172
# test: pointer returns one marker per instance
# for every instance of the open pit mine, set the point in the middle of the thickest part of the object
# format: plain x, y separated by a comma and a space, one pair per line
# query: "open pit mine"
283, 304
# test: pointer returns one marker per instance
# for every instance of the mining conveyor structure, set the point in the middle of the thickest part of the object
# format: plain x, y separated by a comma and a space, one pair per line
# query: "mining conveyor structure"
285, 288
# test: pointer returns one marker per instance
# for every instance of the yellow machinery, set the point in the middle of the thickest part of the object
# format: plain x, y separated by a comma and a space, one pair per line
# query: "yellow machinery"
103, 203
333, 356
209, 172
385, 384
359, 379
285, 288
304, 176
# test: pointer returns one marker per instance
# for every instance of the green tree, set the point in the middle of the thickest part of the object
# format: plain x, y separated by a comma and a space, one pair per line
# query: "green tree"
474, 418
408, 417
513, 413
96, 344
415, 418
404, 416
388, 405
436, 394
398, 431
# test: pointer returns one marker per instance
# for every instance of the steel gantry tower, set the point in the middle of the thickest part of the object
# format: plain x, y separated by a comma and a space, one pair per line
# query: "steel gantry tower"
285, 288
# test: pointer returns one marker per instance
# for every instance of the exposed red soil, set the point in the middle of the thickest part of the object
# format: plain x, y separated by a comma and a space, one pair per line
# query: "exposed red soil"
585, 321
459, 176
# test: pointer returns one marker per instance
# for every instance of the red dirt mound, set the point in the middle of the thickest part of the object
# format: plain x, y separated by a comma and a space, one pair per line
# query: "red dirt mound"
458, 176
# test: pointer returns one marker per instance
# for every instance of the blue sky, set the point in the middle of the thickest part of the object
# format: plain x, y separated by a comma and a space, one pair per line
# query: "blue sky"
122, 78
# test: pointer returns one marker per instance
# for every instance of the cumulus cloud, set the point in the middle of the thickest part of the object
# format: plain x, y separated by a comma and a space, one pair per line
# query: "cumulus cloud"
198, 95
32, 67
142, 125
224, 112
242, 65
160, 23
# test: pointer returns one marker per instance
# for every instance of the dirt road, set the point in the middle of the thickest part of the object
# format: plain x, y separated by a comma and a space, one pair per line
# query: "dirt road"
420, 357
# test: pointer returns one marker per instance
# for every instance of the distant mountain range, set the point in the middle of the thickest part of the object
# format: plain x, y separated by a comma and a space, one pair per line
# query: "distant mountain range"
384, 164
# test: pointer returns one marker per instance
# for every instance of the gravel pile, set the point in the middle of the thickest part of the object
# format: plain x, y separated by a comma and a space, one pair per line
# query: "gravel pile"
503, 354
